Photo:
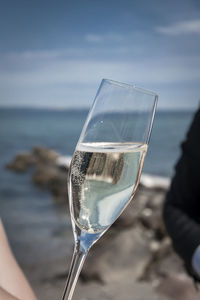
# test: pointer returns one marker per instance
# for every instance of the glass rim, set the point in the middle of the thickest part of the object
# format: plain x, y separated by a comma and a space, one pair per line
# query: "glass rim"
129, 85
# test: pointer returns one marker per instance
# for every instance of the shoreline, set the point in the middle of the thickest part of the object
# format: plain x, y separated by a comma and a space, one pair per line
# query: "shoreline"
155, 181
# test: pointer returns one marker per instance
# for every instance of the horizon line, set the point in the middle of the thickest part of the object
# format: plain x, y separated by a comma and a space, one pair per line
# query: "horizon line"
181, 109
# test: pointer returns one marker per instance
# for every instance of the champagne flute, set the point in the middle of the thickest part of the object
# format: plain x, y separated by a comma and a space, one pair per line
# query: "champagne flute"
106, 165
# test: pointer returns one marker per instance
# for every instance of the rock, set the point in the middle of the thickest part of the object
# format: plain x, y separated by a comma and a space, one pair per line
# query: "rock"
161, 249
44, 155
163, 262
132, 213
39, 155
48, 172
156, 200
168, 265
22, 162
151, 215
58, 188
50, 175
178, 287
44, 175
153, 220
53, 178
123, 289
118, 253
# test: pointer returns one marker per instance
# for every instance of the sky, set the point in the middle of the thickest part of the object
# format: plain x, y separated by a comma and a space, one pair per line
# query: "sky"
55, 53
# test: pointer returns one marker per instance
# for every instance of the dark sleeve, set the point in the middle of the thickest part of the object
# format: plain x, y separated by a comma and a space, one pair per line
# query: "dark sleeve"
182, 206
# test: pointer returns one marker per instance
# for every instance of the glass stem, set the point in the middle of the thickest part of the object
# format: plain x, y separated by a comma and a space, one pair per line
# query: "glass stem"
74, 271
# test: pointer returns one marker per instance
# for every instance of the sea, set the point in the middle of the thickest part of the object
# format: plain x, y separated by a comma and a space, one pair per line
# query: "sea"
33, 222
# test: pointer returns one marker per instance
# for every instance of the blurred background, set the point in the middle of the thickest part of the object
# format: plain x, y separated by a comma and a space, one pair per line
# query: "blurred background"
53, 56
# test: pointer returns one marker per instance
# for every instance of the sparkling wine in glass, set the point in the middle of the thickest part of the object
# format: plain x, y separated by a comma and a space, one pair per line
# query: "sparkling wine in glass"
106, 166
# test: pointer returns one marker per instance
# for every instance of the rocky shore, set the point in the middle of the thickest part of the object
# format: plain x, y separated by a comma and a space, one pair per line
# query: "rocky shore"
133, 260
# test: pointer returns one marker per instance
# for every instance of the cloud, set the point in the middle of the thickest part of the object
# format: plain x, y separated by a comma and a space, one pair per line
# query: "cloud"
55, 78
81, 71
184, 27
101, 38
43, 68
94, 38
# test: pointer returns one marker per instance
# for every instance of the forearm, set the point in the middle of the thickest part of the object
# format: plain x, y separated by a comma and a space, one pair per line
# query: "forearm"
12, 279
6, 296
